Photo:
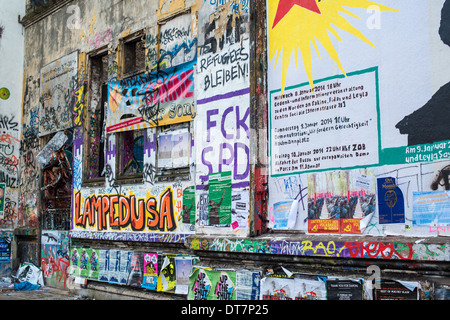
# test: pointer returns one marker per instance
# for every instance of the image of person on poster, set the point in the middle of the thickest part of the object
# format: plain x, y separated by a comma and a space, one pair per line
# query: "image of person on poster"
187, 213
214, 210
430, 123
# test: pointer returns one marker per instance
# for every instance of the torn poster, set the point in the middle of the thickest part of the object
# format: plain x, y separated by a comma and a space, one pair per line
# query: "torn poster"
48, 152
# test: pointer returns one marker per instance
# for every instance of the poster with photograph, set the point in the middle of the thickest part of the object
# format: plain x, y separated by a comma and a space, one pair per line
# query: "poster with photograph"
174, 149
331, 111
183, 267
85, 261
93, 265
220, 198
311, 288
277, 288
2, 200
136, 274
339, 200
75, 269
189, 205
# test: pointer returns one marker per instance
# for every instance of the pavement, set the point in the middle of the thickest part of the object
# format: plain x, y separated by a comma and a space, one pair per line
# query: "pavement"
43, 293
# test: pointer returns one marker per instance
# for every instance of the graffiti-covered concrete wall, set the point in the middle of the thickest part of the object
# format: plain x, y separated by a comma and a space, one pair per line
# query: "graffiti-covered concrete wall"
11, 84
11, 70
116, 111
163, 139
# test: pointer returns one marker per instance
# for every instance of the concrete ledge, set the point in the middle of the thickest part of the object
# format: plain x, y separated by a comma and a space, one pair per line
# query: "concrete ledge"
365, 247
157, 237
94, 290
105, 291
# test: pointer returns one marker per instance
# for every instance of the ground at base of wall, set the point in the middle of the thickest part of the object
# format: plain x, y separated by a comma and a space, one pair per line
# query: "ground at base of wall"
43, 293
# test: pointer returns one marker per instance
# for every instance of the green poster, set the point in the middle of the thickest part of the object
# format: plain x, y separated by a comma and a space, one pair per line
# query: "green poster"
2, 198
74, 262
220, 198
189, 205
85, 263
199, 284
93, 268
207, 284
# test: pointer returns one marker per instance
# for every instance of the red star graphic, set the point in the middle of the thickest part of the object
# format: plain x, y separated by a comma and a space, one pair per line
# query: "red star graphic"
284, 6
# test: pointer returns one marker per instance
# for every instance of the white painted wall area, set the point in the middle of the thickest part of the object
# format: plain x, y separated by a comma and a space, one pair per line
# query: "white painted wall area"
11, 84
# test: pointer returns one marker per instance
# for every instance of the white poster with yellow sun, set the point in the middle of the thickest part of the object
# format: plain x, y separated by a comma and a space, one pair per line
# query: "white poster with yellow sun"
354, 84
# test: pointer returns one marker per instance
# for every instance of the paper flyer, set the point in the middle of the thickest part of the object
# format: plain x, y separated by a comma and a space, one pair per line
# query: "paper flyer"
150, 271
208, 284
189, 205
220, 198
167, 280
183, 270
136, 274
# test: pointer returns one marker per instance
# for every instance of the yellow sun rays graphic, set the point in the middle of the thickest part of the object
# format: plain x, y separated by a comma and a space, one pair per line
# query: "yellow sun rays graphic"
299, 26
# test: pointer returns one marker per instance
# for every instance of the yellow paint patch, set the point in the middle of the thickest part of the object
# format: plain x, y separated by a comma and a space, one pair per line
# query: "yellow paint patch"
300, 28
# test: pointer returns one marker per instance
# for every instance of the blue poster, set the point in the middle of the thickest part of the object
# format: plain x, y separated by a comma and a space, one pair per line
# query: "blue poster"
5, 249
431, 208
281, 212
391, 206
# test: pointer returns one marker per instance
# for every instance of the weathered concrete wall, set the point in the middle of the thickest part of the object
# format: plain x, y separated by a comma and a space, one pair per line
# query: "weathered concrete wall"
342, 160
59, 48
11, 70
11, 84
202, 79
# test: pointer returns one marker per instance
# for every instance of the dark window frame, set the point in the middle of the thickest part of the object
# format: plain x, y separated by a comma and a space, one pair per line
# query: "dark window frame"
174, 173
96, 60
130, 65
122, 177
